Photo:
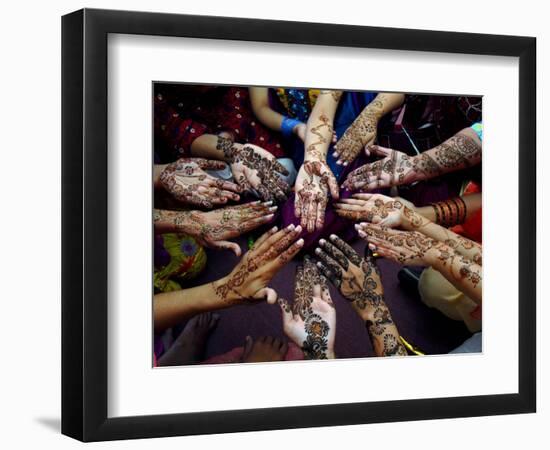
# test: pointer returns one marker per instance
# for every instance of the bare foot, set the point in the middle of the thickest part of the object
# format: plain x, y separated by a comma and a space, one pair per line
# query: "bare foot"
264, 349
188, 348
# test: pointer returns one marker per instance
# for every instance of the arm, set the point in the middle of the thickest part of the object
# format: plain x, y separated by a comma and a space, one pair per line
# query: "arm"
247, 281
397, 168
259, 98
414, 248
395, 212
358, 280
315, 179
451, 212
214, 228
362, 132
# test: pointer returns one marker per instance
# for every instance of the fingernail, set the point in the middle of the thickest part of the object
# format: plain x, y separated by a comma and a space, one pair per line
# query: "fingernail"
269, 203
299, 228
290, 227
372, 247
333, 236
345, 163
338, 162
361, 233
273, 229
269, 217
322, 241
357, 227
335, 154
317, 251
273, 208
300, 242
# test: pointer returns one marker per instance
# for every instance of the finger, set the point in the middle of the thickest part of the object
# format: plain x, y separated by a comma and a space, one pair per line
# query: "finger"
351, 215
278, 167
228, 194
286, 310
226, 245
264, 237
297, 206
327, 261
345, 248
325, 293
366, 197
333, 187
380, 151
210, 164
305, 211
269, 294
299, 288
248, 343
243, 183
312, 216
225, 185
360, 206
317, 290
288, 254
326, 272
334, 252
284, 243
276, 237
366, 149
254, 223
320, 215
284, 348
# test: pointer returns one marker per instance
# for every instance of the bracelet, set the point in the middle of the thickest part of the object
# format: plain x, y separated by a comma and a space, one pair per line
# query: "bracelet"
462, 209
287, 126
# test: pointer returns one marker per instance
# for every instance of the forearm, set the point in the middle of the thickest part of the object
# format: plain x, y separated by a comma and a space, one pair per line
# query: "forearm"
461, 272
320, 126
175, 221
459, 152
171, 308
259, 99
381, 328
451, 212
210, 146
384, 103
157, 170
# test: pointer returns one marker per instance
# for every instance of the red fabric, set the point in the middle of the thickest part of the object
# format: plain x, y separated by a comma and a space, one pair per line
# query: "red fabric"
183, 113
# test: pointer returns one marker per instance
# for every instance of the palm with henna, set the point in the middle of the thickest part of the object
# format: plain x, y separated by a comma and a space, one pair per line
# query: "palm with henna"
315, 180
187, 181
311, 320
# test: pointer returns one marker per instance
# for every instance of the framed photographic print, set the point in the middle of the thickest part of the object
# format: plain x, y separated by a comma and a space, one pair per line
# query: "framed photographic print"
274, 224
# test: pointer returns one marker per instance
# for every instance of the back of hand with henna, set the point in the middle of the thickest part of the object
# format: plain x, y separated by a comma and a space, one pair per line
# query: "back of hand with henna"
358, 280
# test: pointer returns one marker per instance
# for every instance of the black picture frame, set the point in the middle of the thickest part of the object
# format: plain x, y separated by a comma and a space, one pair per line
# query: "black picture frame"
84, 224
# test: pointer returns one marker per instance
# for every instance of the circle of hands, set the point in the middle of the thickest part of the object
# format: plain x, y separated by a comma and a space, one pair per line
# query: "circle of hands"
255, 169
187, 181
313, 183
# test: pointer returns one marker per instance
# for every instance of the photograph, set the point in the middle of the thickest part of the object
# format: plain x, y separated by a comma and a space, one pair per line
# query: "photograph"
295, 224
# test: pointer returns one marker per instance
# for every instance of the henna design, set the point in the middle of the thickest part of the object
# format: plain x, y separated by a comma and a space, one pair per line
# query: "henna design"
260, 162
336, 95
316, 344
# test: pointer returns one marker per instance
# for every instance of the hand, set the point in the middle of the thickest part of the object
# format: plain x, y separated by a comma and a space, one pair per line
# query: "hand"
213, 228
357, 278
380, 209
406, 247
395, 169
249, 279
359, 135
187, 181
301, 129
314, 181
256, 169
311, 321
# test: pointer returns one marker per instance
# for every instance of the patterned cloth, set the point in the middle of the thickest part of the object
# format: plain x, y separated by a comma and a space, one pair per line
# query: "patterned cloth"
183, 113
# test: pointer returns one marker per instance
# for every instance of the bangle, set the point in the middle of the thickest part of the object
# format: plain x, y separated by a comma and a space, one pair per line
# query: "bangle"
462, 209
287, 126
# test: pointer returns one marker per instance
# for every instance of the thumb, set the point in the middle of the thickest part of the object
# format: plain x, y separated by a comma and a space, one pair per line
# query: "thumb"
269, 294
380, 151
333, 187
285, 310
226, 245
210, 164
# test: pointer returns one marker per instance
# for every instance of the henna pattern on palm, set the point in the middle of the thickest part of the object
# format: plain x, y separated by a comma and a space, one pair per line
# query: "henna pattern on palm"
311, 320
251, 163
